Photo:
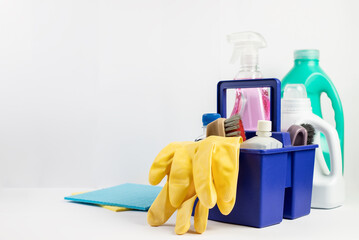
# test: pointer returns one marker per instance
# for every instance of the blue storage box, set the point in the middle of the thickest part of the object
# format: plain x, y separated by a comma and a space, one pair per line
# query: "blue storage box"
272, 184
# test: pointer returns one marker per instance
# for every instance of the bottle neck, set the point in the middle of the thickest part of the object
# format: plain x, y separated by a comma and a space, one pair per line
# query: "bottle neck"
296, 105
204, 130
203, 135
309, 62
248, 72
249, 68
263, 134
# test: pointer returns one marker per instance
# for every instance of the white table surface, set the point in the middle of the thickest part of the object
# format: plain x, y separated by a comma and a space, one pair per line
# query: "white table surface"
43, 214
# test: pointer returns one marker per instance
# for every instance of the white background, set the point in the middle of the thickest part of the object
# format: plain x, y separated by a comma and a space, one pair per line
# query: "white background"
91, 91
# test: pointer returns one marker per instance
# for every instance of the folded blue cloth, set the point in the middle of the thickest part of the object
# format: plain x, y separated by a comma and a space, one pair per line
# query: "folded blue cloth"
128, 195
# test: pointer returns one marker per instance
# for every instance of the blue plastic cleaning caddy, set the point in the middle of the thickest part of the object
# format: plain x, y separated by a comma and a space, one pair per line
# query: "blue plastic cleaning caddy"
272, 184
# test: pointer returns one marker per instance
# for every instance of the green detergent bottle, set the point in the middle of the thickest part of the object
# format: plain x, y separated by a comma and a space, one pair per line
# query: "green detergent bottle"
307, 71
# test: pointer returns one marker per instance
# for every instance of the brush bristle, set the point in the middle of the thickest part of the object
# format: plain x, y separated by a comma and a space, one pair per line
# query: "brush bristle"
311, 132
233, 127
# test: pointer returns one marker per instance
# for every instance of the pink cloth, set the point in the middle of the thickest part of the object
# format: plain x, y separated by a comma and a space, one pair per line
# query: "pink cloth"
257, 106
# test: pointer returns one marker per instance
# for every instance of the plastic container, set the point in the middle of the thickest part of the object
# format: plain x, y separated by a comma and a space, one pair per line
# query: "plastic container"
263, 139
328, 185
306, 70
246, 48
273, 183
207, 118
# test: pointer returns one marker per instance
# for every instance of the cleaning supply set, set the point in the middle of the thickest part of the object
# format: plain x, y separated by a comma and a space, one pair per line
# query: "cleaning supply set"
258, 187
255, 168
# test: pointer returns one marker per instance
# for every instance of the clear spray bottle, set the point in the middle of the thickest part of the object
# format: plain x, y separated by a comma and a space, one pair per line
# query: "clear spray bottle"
251, 103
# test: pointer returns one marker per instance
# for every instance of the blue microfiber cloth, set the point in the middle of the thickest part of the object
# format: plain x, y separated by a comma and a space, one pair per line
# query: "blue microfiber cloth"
128, 195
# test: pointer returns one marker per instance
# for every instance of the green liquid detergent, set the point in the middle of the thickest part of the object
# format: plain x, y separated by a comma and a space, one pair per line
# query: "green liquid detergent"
307, 71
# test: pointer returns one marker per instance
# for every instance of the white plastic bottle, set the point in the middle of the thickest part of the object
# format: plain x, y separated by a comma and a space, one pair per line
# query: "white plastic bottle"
328, 186
263, 140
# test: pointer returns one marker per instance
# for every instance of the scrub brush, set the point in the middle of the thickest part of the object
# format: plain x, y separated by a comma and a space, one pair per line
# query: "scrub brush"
298, 135
311, 132
231, 127
216, 128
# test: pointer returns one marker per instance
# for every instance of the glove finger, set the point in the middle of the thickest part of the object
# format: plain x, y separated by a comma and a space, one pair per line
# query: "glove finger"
183, 220
200, 217
161, 209
162, 164
180, 177
225, 174
226, 207
202, 174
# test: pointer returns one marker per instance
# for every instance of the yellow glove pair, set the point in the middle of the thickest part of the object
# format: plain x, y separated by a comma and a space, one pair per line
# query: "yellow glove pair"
207, 169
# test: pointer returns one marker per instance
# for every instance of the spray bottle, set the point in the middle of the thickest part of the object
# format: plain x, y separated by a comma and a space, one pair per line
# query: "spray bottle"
252, 104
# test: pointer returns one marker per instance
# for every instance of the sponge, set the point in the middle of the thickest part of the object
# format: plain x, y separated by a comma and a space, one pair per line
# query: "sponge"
112, 208
129, 195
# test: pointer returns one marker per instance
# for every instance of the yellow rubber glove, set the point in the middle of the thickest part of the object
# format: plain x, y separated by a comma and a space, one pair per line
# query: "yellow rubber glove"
162, 209
218, 159
190, 167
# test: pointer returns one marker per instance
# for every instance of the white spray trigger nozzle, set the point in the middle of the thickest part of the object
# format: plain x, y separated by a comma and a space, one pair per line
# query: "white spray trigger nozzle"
246, 45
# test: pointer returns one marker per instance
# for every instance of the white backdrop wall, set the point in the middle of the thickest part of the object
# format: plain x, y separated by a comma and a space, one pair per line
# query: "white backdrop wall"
92, 90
